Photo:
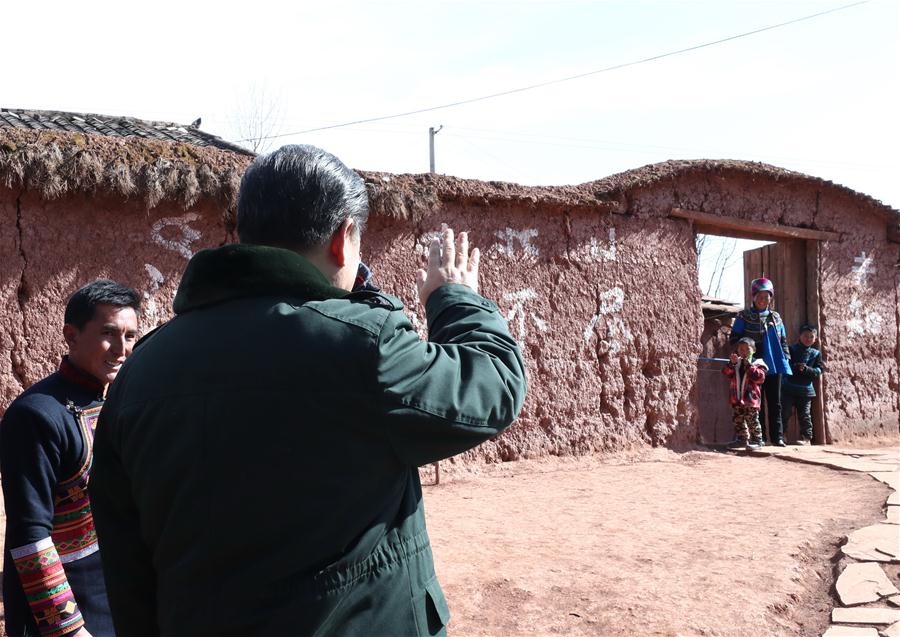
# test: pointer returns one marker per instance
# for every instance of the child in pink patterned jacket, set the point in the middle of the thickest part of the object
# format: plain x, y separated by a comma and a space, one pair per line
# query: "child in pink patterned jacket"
746, 379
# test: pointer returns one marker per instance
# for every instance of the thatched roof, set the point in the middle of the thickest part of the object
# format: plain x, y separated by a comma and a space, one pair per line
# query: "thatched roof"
609, 193
122, 157
58, 153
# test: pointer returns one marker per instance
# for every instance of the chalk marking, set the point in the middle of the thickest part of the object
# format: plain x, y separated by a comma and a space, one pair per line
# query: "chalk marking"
865, 265
862, 323
510, 237
424, 242
519, 314
609, 304
599, 253
418, 324
156, 278
181, 245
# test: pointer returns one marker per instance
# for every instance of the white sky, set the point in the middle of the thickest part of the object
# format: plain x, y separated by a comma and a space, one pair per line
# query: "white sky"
819, 96
724, 256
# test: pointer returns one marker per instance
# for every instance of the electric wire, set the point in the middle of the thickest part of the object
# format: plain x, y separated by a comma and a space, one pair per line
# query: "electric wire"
571, 77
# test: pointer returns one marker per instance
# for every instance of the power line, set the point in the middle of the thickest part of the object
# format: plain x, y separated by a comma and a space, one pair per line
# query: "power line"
571, 77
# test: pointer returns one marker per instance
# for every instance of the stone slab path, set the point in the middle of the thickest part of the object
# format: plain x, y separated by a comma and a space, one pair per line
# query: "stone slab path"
867, 597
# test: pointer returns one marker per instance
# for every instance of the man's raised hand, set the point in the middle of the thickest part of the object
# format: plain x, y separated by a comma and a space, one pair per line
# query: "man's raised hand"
448, 262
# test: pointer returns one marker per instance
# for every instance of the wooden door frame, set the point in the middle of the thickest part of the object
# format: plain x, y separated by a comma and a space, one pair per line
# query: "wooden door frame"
706, 223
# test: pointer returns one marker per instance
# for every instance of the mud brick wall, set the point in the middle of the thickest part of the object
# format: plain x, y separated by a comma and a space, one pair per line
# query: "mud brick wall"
860, 292
598, 283
48, 249
607, 367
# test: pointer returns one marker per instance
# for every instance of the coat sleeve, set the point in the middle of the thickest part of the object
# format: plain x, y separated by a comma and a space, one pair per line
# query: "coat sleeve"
728, 370
31, 456
737, 330
756, 375
465, 385
782, 336
815, 368
131, 585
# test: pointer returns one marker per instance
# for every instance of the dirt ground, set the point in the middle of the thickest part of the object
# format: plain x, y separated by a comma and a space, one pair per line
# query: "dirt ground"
670, 544
656, 543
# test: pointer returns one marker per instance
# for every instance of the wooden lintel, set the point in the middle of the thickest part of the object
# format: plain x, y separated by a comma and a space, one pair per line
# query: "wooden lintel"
745, 226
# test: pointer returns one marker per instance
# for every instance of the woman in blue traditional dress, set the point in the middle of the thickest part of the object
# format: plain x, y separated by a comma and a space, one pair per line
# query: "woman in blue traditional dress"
766, 328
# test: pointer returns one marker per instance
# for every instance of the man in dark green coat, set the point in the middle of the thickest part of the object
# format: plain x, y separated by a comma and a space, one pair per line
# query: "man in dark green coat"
256, 460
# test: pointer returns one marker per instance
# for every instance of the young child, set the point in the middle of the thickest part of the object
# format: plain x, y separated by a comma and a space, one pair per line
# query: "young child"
746, 379
798, 390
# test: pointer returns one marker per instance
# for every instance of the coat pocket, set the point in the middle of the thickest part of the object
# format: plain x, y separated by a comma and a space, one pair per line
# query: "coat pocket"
432, 612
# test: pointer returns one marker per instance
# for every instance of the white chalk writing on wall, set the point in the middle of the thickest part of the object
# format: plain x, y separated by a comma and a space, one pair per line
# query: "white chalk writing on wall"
424, 242
182, 244
518, 313
156, 278
151, 309
865, 265
420, 326
861, 322
598, 252
509, 238
609, 305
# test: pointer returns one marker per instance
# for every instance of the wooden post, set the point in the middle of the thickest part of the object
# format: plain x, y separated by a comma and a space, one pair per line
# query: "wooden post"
738, 227
437, 472
814, 312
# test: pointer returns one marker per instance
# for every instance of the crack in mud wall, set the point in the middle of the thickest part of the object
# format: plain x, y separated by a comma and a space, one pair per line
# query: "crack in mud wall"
20, 339
12, 271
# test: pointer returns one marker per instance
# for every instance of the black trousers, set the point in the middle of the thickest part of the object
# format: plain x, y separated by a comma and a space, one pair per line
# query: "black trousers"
804, 412
772, 390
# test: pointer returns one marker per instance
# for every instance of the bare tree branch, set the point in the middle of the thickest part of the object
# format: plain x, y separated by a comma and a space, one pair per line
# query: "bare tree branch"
257, 116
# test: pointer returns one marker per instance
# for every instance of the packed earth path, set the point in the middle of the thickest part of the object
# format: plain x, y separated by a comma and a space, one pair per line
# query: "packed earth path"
659, 543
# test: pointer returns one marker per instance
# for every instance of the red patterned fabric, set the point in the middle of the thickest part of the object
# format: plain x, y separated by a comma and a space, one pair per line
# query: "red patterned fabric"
47, 589
746, 380
73, 525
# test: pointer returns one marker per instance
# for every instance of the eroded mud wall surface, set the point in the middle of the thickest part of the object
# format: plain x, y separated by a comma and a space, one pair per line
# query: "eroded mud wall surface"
51, 248
608, 338
603, 297
859, 323
11, 266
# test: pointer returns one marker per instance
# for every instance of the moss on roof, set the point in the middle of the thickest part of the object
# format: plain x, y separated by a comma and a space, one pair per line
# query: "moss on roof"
56, 163
609, 193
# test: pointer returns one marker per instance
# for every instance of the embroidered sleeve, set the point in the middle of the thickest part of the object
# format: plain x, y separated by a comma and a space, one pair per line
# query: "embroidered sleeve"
47, 589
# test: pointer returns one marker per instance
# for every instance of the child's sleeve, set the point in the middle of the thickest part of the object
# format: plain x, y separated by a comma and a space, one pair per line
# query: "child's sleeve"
756, 375
728, 370
815, 367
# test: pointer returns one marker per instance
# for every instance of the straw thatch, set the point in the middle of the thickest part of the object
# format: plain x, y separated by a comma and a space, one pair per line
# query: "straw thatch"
129, 158
57, 163
412, 196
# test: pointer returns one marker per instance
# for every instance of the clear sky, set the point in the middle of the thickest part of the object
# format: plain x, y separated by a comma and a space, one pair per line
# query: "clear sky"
819, 96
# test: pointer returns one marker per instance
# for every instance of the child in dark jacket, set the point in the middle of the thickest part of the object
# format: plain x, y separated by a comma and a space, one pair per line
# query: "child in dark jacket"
746, 380
798, 390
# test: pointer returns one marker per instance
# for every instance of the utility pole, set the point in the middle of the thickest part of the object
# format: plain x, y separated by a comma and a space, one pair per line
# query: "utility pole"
431, 133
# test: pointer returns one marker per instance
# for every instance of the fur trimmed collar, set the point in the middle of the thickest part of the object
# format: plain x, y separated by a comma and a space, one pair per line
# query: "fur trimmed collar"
240, 271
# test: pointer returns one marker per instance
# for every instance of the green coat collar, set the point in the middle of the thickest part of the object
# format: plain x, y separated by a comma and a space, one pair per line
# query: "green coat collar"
240, 271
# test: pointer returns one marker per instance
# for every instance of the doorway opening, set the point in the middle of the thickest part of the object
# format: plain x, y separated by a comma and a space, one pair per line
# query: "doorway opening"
720, 274
726, 265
